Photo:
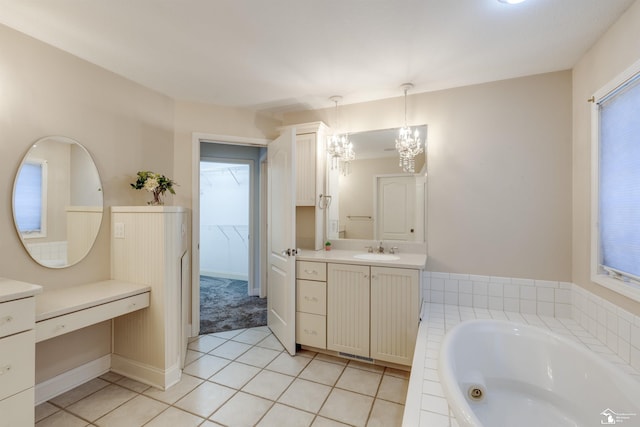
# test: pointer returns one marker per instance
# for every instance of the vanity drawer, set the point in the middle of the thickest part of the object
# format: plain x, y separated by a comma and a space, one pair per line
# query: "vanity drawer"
311, 297
17, 361
311, 270
17, 316
311, 329
17, 410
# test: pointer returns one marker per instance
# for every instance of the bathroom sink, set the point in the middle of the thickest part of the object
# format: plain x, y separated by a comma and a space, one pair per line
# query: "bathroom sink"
377, 257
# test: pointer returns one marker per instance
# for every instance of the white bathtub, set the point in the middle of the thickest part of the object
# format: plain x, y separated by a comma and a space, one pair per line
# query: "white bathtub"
527, 376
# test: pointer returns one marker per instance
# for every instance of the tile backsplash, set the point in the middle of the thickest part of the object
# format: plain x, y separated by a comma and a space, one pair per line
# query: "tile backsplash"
614, 327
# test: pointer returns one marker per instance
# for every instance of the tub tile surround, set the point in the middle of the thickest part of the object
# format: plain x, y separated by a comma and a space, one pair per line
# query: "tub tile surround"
563, 308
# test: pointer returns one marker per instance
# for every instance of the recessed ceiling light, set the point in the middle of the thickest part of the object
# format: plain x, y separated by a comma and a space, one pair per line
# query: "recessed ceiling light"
511, 1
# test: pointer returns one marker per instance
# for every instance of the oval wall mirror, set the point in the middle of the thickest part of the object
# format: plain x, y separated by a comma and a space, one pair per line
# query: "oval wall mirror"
57, 202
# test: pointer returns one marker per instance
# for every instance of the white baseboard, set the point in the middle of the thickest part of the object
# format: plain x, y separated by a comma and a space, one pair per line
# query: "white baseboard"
144, 373
66, 381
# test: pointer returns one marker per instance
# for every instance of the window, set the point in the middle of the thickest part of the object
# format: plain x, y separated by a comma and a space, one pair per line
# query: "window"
30, 199
616, 185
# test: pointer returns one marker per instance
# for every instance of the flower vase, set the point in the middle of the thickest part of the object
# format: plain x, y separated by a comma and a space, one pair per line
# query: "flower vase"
157, 199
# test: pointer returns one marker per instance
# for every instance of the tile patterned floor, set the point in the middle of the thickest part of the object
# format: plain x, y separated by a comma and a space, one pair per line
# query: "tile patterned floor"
240, 378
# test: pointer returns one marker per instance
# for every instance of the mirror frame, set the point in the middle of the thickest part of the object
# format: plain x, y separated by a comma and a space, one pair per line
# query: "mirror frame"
88, 216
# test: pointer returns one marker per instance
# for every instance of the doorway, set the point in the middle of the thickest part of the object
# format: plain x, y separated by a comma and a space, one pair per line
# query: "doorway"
229, 223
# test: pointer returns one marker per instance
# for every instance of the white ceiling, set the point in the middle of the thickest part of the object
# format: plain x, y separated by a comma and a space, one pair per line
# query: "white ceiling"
283, 55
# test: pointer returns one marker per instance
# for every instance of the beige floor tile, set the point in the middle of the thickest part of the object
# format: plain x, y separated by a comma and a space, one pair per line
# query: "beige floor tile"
366, 366
271, 342
101, 402
62, 419
325, 422
242, 410
209, 423
268, 384
174, 417
397, 373
322, 372
332, 359
205, 399
347, 407
251, 336
79, 392
227, 334
206, 343
191, 356
258, 356
133, 385
393, 389
206, 366
176, 391
230, 350
280, 415
289, 365
111, 377
135, 412
44, 410
235, 375
305, 395
360, 381
385, 414
306, 353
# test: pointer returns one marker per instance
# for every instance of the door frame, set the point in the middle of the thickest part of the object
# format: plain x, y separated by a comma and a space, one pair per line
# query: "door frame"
196, 139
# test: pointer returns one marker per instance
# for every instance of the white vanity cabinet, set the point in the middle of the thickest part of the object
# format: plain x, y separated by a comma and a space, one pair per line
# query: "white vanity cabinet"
371, 311
311, 304
17, 352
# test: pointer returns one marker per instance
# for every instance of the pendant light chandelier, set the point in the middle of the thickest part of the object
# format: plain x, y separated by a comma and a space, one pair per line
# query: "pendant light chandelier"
408, 142
339, 147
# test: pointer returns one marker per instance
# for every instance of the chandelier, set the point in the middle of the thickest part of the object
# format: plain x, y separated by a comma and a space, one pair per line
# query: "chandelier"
408, 142
339, 147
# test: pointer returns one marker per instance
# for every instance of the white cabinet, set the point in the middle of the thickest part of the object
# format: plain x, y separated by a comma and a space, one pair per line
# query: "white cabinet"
17, 352
150, 246
395, 311
311, 304
372, 311
310, 184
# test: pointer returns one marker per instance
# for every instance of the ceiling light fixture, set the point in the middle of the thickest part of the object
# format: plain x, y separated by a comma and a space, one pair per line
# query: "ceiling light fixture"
408, 142
511, 1
339, 147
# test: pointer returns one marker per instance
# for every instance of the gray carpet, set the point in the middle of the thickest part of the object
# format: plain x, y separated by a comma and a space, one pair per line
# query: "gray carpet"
225, 306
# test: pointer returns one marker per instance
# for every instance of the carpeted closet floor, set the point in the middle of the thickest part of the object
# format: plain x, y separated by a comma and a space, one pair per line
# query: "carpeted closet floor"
225, 306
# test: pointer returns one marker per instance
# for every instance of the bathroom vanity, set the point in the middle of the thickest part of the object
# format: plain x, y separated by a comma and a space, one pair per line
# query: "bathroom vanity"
17, 352
359, 305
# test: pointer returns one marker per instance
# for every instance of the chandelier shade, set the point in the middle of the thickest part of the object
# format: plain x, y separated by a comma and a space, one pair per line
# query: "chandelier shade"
339, 148
408, 143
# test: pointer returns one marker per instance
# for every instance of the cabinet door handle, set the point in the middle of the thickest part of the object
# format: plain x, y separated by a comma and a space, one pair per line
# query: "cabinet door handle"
311, 272
312, 299
132, 305
5, 320
5, 369
308, 332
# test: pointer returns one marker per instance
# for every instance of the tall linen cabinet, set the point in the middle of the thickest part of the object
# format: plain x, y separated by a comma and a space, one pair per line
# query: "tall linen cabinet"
150, 245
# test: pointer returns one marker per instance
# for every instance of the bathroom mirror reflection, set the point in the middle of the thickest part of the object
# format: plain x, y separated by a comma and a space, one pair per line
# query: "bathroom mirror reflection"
377, 200
57, 202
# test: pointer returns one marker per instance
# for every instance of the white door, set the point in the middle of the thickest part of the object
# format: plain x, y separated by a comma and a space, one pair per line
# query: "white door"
395, 219
281, 218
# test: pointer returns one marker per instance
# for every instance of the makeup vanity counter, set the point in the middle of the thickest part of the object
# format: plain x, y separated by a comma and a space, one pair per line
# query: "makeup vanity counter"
359, 305
17, 352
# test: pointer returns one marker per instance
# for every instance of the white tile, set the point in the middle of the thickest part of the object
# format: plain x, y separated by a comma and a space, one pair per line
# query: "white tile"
271, 342
242, 410
393, 389
496, 303
132, 385
437, 284
79, 392
173, 417
279, 413
430, 419
624, 329
450, 285
437, 297
528, 293
101, 402
480, 288
562, 296
325, 422
545, 308
457, 276
511, 291
347, 407
62, 419
227, 334
135, 412
44, 410
305, 395
496, 289
480, 301
268, 384
205, 399
251, 336
465, 286
501, 280
546, 284
235, 375
451, 298
205, 343
522, 282
478, 278
322, 372
465, 300
433, 388
439, 275
230, 350
289, 365
360, 381
435, 404
176, 391
527, 306
385, 414
258, 356
563, 310
511, 304
206, 366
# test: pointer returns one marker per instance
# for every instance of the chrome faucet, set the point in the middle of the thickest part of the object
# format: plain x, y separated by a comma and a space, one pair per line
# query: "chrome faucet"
380, 248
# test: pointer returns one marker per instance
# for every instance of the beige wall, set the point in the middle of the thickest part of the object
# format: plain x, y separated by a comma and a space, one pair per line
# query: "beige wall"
617, 50
125, 127
499, 172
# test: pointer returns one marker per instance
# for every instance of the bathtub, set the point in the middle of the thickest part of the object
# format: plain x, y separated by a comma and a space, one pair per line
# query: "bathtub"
497, 373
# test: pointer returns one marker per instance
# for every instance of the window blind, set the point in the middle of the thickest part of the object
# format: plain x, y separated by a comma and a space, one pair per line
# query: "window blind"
28, 198
619, 180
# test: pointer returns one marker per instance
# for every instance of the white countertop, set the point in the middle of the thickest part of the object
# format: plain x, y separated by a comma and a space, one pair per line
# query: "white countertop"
13, 289
64, 301
407, 260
